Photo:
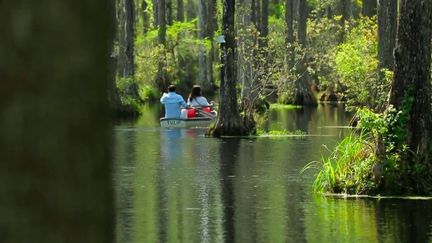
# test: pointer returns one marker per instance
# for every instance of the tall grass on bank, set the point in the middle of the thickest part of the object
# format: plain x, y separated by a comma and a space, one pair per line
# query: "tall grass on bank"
348, 168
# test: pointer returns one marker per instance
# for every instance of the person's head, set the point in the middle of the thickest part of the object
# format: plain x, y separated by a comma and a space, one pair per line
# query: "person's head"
171, 88
195, 92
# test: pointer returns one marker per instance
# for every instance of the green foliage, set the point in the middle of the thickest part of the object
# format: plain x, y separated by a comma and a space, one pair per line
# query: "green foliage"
356, 66
323, 38
372, 124
149, 93
262, 64
277, 10
320, 5
128, 103
179, 56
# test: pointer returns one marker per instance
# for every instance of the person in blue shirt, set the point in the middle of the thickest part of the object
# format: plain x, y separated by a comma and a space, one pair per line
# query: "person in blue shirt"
173, 104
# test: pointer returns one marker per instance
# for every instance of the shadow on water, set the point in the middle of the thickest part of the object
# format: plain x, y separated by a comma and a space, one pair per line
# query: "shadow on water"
175, 185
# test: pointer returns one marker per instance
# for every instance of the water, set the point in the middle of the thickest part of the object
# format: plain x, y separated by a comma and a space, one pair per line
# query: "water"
175, 185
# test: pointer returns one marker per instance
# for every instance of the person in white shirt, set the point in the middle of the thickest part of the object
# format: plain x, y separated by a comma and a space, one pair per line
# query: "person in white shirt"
200, 103
195, 98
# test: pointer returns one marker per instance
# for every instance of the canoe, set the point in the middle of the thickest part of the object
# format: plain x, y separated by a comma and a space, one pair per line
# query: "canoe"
190, 122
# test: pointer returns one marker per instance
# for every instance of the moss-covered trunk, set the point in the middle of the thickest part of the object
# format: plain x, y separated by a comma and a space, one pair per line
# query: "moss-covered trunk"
411, 88
228, 122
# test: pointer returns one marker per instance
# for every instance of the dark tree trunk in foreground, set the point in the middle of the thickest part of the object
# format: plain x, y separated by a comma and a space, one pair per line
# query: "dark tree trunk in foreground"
162, 76
180, 11
303, 94
126, 64
228, 121
369, 8
55, 169
411, 88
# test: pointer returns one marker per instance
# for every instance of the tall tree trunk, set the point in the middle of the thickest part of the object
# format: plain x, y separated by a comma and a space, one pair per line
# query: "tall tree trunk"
264, 22
303, 94
411, 88
369, 8
228, 121
256, 13
289, 20
145, 16
55, 168
191, 10
345, 11
127, 32
155, 13
169, 12
207, 27
212, 27
126, 60
180, 11
162, 76
387, 26
245, 51
202, 34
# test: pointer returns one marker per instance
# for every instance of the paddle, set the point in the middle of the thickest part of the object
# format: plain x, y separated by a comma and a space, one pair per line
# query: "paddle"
205, 113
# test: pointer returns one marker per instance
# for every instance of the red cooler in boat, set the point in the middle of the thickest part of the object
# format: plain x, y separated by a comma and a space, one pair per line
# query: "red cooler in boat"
207, 109
191, 113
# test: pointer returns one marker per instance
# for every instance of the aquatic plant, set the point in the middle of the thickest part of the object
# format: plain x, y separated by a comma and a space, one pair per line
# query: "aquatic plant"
284, 132
276, 106
370, 160
347, 169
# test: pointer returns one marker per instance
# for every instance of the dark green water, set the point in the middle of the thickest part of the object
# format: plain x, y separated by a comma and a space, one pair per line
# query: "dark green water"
175, 185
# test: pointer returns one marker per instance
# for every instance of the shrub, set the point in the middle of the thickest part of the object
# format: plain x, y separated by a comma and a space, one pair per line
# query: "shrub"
356, 65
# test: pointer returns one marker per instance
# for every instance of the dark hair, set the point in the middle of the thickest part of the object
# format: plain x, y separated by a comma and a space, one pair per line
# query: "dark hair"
171, 88
195, 92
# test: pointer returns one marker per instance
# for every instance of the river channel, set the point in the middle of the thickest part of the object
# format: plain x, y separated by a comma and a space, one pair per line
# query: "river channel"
175, 185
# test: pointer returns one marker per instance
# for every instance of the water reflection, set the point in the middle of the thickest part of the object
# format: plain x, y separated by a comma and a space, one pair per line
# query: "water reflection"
175, 185
365, 220
229, 150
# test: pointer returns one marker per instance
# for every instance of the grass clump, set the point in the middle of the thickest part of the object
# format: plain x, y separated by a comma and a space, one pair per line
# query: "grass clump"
372, 160
348, 168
